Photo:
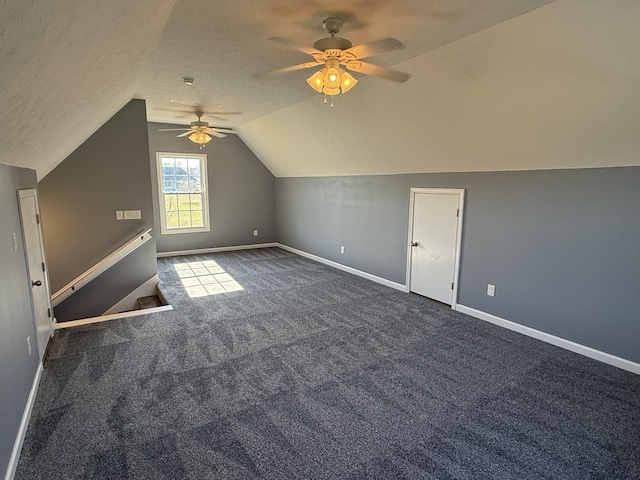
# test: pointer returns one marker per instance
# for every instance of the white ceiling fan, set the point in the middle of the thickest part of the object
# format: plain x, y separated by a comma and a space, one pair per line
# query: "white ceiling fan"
332, 52
199, 132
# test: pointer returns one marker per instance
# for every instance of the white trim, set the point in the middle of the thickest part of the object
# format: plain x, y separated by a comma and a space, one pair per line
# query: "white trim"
553, 340
24, 423
204, 185
216, 249
150, 287
456, 268
104, 264
114, 316
339, 266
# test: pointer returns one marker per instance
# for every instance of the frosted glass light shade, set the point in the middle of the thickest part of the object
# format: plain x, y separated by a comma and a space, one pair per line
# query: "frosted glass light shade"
200, 138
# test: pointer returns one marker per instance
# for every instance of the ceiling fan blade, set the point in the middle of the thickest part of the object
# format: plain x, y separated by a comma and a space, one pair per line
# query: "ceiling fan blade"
375, 48
188, 132
377, 71
295, 67
173, 129
213, 130
289, 43
220, 115
213, 133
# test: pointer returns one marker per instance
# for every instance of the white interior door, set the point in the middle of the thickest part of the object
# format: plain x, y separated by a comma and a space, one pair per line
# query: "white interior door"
34, 249
434, 243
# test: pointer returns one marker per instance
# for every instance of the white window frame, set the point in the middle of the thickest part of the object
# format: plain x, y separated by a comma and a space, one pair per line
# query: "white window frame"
161, 193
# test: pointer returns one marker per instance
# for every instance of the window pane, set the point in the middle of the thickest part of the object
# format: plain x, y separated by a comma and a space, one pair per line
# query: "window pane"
184, 203
196, 219
184, 219
172, 220
196, 201
194, 166
182, 183
182, 166
168, 167
169, 185
194, 184
170, 203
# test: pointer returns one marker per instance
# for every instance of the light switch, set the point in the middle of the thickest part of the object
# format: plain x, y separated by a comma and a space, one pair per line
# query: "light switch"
119, 215
491, 290
132, 215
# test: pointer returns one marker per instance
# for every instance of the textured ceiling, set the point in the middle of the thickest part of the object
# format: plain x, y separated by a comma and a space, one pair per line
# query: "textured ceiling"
225, 45
66, 68
496, 84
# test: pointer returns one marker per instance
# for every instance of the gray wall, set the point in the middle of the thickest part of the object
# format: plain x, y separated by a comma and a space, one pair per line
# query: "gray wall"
16, 321
241, 192
561, 246
78, 201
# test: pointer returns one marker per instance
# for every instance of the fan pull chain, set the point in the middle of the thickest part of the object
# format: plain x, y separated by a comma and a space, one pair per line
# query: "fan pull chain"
325, 98
331, 101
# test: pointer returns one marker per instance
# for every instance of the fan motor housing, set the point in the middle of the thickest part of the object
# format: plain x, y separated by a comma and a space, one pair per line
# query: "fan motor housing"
332, 43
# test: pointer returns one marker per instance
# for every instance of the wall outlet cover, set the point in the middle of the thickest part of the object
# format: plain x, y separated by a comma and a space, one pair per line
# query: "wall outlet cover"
255, 233
491, 290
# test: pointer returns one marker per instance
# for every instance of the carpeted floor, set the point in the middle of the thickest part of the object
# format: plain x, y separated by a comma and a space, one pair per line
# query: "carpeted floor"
301, 371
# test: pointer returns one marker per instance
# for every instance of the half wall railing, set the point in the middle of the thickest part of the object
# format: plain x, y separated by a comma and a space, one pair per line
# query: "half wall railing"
100, 267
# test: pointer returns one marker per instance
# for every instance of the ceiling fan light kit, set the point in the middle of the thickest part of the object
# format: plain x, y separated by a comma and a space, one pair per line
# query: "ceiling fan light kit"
200, 138
332, 52
199, 132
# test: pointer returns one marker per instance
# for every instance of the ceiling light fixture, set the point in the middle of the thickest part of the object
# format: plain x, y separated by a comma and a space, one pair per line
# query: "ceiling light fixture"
331, 80
200, 138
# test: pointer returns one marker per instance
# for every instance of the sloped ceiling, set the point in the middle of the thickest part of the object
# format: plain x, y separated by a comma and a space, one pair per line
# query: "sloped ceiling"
555, 88
496, 84
66, 68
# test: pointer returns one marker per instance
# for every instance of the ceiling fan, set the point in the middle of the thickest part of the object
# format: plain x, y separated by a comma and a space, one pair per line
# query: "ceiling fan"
331, 52
199, 132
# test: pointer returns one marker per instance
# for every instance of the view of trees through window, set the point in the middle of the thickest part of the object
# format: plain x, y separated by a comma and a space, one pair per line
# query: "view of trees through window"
182, 181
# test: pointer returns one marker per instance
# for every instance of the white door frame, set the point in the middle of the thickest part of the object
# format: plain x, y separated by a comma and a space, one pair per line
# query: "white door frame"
456, 270
26, 193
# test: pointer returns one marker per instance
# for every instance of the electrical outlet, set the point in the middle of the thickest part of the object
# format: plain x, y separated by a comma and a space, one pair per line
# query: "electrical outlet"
491, 290
132, 214
29, 345
119, 215
341, 248
255, 233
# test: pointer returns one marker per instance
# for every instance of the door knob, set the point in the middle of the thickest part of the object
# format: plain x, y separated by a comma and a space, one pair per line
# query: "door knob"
37, 283
414, 244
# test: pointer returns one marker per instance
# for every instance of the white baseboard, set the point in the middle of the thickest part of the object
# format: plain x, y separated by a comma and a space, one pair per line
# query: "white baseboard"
553, 340
215, 249
339, 266
129, 302
24, 423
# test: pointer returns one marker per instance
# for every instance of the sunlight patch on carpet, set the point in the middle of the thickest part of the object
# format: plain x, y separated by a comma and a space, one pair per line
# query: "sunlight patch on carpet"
201, 279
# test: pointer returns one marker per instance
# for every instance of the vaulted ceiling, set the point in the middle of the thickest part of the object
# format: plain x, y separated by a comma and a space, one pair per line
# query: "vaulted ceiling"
495, 84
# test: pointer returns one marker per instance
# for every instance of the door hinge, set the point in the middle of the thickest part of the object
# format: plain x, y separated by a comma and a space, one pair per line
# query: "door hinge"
38, 218
457, 212
43, 268
49, 312
451, 285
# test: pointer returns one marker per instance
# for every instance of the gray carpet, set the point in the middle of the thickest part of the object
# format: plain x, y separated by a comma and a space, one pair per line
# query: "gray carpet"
310, 372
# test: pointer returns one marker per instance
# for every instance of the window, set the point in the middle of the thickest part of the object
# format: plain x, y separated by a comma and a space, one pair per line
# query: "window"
182, 192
